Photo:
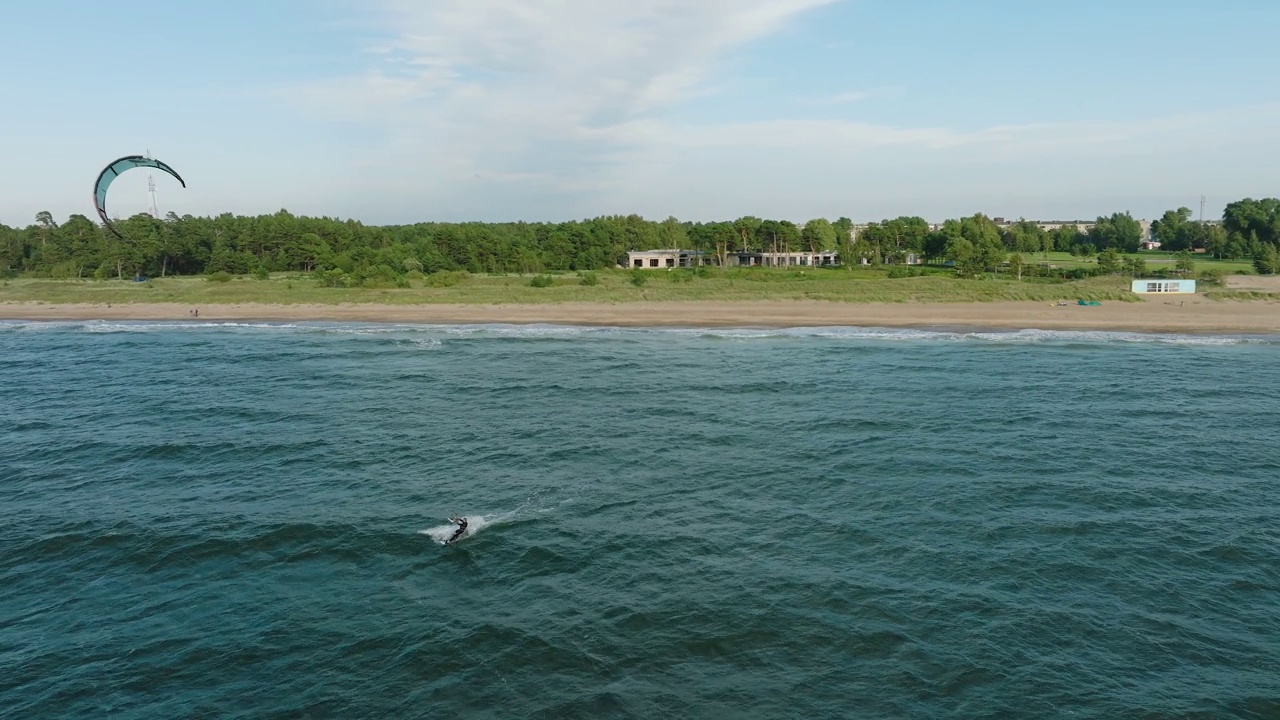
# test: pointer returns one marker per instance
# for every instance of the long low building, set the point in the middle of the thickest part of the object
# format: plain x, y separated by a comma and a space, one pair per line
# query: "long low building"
783, 259
658, 259
661, 259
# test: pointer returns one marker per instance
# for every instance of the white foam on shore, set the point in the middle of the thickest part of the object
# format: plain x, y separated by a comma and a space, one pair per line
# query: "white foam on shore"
439, 333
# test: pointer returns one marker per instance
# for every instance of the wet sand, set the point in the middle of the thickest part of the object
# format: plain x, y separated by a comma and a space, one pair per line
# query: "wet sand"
1190, 314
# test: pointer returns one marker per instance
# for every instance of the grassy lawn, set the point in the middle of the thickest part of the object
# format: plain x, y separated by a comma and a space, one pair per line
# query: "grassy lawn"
615, 286
1155, 259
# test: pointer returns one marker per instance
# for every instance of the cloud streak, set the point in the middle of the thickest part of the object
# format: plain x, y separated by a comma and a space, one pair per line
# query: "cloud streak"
537, 88
843, 98
544, 109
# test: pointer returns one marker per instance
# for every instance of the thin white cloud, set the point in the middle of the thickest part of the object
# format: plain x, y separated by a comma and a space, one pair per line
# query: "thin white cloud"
843, 98
544, 109
801, 169
491, 86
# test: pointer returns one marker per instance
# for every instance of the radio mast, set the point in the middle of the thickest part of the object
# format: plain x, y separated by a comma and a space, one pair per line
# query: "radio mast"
152, 207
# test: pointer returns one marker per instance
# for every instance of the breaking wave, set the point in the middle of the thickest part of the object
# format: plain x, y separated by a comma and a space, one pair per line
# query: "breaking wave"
437, 333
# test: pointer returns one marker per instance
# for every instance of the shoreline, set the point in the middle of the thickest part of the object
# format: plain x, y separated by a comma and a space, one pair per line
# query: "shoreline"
1183, 314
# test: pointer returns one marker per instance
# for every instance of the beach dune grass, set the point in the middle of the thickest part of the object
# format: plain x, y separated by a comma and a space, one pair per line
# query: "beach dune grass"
611, 286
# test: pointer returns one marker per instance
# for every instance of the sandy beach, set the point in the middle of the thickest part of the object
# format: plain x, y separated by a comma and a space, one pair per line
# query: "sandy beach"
1188, 314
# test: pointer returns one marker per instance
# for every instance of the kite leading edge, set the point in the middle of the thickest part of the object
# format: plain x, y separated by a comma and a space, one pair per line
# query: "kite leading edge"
114, 170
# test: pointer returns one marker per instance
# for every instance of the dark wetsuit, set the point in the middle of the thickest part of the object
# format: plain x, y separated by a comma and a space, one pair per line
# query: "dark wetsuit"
462, 528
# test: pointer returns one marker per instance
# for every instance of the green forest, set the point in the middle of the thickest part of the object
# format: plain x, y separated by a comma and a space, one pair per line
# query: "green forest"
244, 245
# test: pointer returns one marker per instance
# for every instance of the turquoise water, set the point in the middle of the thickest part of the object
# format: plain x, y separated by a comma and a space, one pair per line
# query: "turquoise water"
211, 520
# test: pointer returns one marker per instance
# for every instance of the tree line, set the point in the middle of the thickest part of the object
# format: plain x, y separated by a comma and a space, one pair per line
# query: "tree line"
238, 244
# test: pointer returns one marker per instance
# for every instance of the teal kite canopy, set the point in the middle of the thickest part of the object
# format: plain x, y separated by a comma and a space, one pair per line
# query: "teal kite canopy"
112, 171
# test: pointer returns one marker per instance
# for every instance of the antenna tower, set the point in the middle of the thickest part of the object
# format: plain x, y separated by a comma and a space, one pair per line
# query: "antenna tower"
152, 207
1201, 209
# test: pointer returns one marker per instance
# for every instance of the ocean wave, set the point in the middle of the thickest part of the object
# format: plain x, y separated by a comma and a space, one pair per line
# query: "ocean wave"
1024, 336
441, 332
155, 547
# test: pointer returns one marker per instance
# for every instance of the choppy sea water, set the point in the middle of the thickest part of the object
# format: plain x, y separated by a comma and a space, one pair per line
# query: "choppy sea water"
233, 520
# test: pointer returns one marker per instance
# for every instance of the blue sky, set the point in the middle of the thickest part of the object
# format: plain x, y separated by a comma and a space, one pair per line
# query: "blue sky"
393, 111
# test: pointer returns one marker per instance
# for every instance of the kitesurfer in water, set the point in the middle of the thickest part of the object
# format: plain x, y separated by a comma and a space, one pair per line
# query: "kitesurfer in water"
462, 528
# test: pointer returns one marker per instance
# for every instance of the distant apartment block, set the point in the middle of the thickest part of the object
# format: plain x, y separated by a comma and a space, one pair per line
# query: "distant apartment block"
1083, 226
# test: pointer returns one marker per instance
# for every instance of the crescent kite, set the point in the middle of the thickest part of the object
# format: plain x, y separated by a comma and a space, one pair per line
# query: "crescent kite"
112, 171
